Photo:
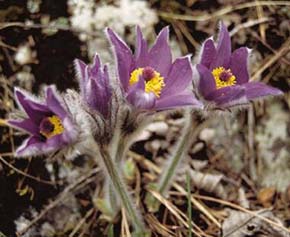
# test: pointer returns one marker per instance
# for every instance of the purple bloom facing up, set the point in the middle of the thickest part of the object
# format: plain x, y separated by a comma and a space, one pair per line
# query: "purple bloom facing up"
48, 123
224, 77
94, 85
149, 79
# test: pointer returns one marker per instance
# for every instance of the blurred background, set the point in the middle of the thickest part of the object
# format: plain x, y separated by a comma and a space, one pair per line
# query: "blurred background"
242, 157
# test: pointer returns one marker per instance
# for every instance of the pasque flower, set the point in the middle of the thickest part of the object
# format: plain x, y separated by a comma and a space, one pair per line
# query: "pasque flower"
149, 79
95, 86
47, 122
224, 76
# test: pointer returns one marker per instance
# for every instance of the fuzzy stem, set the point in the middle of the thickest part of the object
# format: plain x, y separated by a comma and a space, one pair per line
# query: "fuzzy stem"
117, 182
121, 190
180, 152
125, 143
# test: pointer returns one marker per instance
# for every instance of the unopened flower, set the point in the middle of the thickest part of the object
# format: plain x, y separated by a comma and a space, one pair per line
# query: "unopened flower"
47, 122
149, 79
224, 76
95, 86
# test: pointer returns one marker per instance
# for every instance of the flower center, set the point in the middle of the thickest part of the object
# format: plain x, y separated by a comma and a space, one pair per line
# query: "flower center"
154, 82
223, 77
51, 126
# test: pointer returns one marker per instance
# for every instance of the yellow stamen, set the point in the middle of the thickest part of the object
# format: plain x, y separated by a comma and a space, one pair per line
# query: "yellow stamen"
57, 127
154, 84
220, 82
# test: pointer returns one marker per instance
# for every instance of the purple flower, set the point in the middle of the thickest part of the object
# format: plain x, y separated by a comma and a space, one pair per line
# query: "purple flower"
94, 85
224, 77
149, 79
48, 123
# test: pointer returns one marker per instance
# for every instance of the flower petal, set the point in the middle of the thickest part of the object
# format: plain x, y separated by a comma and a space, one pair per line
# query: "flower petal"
208, 53
35, 145
206, 83
80, 68
141, 51
223, 54
239, 65
53, 102
256, 90
160, 54
228, 96
36, 111
99, 92
32, 146
141, 100
185, 98
124, 58
179, 77
70, 133
94, 69
27, 125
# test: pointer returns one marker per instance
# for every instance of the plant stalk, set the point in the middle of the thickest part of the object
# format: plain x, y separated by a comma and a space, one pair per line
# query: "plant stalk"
120, 189
179, 153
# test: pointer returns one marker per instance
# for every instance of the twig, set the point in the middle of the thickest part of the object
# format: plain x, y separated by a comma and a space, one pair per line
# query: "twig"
2, 44
25, 174
154, 167
223, 11
81, 222
249, 24
189, 211
260, 14
283, 59
282, 51
62, 196
176, 212
4, 25
125, 225
251, 162
235, 206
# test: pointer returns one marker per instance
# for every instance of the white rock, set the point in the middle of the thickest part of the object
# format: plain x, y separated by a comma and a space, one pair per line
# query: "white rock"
24, 55
159, 127
207, 134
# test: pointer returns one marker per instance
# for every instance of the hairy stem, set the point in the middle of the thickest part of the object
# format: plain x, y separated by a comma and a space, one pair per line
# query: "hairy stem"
122, 192
180, 151
120, 189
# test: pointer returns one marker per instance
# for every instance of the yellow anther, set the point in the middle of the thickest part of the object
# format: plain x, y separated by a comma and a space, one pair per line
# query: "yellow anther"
55, 124
154, 84
223, 77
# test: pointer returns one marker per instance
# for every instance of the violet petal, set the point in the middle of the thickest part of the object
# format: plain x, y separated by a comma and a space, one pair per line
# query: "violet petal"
160, 53
141, 100
35, 111
179, 77
239, 65
30, 147
185, 98
80, 68
228, 96
53, 102
206, 82
27, 124
223, 54
141, 51
124, 58
208, 53
256, 90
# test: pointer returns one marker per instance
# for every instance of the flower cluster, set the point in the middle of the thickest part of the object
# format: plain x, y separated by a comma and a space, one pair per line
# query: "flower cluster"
95, 121
148, 80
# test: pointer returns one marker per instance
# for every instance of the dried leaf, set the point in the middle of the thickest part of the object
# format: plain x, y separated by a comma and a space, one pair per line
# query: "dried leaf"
208, 182
266, 196
241, 224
